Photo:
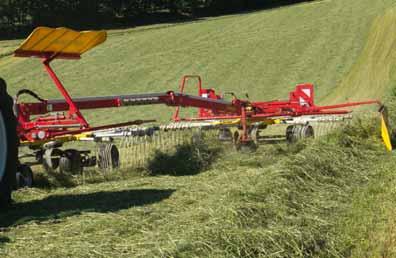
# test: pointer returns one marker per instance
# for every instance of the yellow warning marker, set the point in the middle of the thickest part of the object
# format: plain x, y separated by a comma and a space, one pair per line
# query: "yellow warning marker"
385, 128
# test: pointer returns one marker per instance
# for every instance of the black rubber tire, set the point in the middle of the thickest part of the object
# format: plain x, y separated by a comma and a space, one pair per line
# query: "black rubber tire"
6, 186
51, 159
108, 156
24, 176
236, 139
248, 147
295, 133
70, 162
289, 134
225, 135
307, 132
197, 137
3, 146
255, 134
9, 160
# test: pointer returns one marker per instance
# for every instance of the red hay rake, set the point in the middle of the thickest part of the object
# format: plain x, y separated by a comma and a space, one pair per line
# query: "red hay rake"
45, 125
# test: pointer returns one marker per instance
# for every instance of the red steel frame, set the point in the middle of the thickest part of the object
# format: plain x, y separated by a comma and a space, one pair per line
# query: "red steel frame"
211, 107
49, 126
45, 126
300, 103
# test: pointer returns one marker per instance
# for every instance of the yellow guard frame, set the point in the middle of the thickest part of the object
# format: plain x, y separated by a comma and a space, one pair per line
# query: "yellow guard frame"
63, 43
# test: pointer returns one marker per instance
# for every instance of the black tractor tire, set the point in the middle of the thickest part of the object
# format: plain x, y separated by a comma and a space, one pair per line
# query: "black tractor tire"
7, 163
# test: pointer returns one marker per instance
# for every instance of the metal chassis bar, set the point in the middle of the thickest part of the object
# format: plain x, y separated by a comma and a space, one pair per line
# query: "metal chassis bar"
74, 112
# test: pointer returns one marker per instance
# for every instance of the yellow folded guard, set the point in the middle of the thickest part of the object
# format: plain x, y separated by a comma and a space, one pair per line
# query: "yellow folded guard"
385, 129
47, 42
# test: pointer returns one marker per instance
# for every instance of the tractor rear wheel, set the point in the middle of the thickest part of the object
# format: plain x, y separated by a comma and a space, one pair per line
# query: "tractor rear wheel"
3, 146
7, 162
5, 179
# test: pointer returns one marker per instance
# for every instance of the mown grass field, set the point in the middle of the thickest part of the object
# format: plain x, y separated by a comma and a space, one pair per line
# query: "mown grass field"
326, 198
263, 53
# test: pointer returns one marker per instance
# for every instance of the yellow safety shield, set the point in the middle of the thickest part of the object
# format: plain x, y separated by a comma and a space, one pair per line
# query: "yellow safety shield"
385, 135
385, 128
59, 42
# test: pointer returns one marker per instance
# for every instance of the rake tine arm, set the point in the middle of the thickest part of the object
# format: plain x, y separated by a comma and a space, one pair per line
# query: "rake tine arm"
350, 104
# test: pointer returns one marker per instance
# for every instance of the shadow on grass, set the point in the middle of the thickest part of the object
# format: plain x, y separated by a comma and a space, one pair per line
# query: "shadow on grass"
53, 180
4, 240
62, 206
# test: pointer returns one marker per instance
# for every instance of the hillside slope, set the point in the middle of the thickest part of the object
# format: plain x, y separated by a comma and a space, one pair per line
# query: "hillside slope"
264, 53
373, 74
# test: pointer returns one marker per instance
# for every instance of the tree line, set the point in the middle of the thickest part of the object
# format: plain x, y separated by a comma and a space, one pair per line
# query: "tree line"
17, 15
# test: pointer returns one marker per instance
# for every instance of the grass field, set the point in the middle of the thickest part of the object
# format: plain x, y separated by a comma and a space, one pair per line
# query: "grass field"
331, 197
263, 53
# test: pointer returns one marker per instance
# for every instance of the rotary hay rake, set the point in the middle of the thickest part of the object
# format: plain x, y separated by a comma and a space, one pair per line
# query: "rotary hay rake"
46, 125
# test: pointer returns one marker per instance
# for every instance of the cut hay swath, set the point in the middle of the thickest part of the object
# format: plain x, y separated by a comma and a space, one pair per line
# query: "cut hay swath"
45, 125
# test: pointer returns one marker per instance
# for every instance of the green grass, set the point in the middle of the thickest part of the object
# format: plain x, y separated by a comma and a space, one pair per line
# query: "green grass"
264, 53
331, 197
297, 201
372, 74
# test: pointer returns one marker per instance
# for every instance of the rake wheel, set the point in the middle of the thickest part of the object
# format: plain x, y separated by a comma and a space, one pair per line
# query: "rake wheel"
255, 134
51, 159
70, 162
108, 156
249, 146
197, 137
307, 131
24, 176
236, 139
295, 133
225, 135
